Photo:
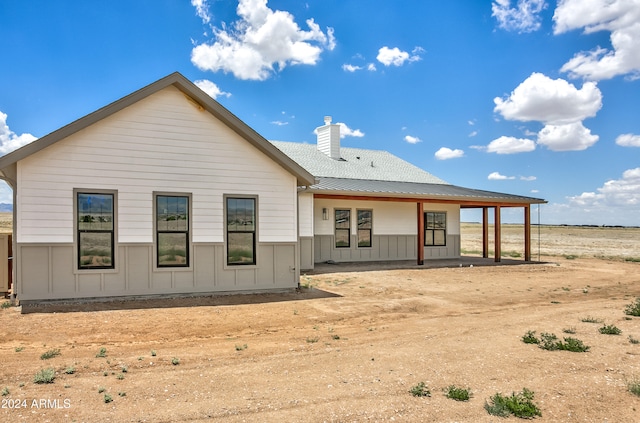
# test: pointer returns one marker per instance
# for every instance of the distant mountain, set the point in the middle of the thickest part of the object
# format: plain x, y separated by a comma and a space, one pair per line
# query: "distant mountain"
6, 207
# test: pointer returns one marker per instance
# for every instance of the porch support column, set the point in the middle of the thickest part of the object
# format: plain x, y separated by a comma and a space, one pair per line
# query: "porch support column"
496, 237
420, 234
485, 232
527, 232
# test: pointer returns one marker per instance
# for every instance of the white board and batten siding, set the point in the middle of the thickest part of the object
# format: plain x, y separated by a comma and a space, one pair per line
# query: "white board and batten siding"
162, 143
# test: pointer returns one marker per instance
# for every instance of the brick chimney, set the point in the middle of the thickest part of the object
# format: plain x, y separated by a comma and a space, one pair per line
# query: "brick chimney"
329, 138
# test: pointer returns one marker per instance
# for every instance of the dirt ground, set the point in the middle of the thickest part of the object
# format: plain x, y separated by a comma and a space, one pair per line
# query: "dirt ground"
347, 348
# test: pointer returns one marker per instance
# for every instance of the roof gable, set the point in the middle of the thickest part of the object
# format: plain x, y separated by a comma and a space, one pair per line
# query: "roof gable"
194, 94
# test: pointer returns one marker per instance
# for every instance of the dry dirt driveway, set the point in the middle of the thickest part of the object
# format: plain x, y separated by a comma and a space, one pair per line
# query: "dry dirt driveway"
347, 350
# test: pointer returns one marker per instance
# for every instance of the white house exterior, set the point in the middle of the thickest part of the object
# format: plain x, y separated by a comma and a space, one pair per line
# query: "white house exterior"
165, 192
137, 198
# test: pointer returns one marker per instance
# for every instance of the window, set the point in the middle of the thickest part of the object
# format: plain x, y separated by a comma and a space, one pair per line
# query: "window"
343, 228
241, 231
95, 226
172, 230
435, 229
364, 227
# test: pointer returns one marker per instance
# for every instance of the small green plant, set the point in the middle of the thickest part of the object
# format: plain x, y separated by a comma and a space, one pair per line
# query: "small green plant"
609, 330
550, 342
5, 391
634, 387
633, 309
530, 337
590, 319
120, 376
6, 304
122, 394
175, 361
459, 394
571, 330
336, 337
54, 352
45, 376
125, 369
312, 340
101, 389
570, 256
70, 370
105, 373
420, 390
241, 347
518, 404
633, 340
18, 349
153, 353
107, 398
102, 352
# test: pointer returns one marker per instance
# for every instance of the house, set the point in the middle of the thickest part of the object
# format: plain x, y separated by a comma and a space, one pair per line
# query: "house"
370, 205
165, 192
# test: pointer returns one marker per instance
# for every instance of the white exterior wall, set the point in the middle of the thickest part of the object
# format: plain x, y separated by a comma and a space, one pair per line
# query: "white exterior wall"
389, 218
162, 143
306, 213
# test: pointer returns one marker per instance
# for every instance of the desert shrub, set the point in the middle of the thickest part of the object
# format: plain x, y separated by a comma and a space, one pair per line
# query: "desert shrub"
530, 337
107, 398
70, 370
633, 309
590, 319
241, 347
50, 354
634, 387
633, 340
102, 352
175, 361
518, 404
458, 394
6, 304
571, 330
609, 330
420, 390
5, 391
550, 342
45, 376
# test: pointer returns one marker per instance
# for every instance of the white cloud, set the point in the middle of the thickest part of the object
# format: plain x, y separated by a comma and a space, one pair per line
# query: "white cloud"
621, 18
525, 17
628, 140
412, 140
569, 137
616, 202
350, 68
540, 98
262, 42
371, 67
445, 153
496, 176
396, 57
528, 178
202, 10
510, 145
9, 140
473, 133
210, 88
345, 131
279, 123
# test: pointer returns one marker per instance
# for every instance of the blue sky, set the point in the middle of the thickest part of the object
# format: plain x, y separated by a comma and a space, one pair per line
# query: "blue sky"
530, 97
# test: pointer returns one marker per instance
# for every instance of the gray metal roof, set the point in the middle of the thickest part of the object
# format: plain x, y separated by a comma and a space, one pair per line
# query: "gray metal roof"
342, 186
356, 163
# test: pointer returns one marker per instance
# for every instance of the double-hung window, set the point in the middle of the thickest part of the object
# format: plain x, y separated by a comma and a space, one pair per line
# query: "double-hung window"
343, 228
95, 229
365, 225
172, 230
241, 230
435, 229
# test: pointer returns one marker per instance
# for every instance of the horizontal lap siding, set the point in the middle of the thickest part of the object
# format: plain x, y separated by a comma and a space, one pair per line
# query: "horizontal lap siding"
162, 143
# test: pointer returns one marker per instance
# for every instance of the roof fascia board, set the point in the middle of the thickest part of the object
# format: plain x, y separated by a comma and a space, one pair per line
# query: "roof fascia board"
403, 198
